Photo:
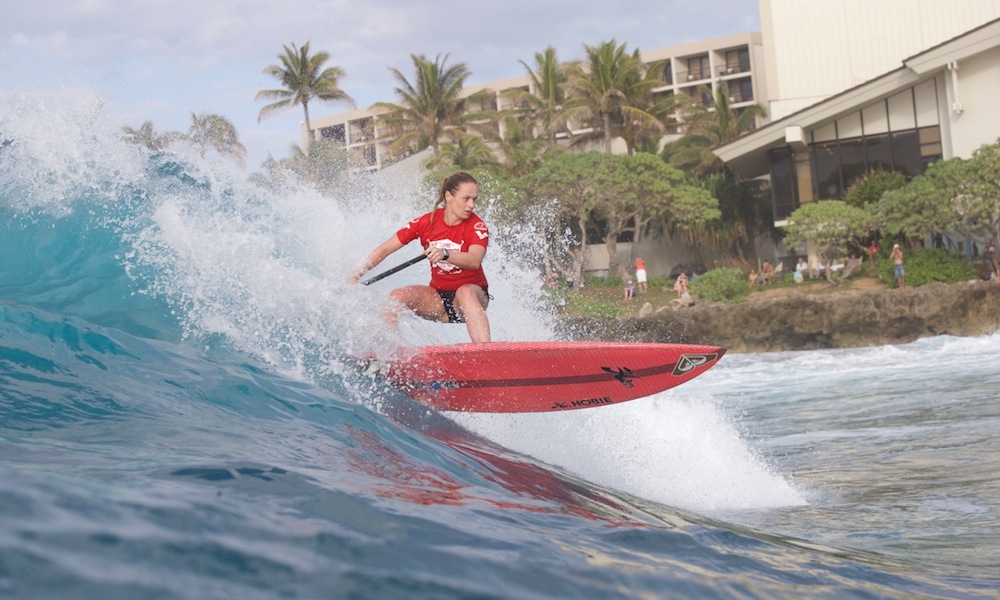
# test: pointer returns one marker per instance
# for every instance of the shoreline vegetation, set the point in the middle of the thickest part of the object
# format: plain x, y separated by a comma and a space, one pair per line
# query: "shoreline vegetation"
807, 316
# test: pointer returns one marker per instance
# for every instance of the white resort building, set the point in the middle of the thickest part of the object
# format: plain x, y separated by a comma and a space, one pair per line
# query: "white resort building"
894, 84
849, 85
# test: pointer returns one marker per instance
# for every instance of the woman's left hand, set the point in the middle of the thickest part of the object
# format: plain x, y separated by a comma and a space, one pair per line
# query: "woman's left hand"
434, 254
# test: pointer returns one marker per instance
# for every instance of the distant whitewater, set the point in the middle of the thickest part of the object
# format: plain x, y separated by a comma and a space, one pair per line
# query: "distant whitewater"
176, 422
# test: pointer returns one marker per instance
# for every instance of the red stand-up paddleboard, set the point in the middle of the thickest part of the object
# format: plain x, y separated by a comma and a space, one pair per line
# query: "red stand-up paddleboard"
516, 377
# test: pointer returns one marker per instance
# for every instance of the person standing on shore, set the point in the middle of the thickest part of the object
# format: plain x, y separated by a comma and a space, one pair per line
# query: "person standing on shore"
897, 269
990, 256
873, 251
640, 274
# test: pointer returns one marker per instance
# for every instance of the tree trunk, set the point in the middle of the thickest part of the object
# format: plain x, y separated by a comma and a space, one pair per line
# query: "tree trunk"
607, 133
309, 130
615, 267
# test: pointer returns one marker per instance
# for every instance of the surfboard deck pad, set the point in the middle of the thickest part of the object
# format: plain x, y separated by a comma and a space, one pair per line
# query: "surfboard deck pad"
516, 377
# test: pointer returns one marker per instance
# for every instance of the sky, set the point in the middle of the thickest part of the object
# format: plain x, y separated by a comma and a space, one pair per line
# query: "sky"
162, 60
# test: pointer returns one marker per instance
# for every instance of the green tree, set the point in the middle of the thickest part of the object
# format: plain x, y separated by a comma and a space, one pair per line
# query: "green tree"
326, 167
549, 106
624, 193
216, 132
746, 220
558, 202
431, 108
935, 202
954, 196
468, 153
869, 189
983, 207
746, 211
303, 80
615, 89
146, 136
706, 128
649, 115
832, 226
520, 150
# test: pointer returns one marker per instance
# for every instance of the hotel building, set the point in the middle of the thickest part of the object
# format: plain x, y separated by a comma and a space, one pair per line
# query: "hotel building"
731, 63
855, 86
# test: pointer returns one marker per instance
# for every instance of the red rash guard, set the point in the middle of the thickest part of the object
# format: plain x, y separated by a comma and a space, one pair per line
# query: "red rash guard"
455, 238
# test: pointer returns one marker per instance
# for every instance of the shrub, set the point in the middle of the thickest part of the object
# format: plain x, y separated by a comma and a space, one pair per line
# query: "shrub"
723, 285
868, 190
927, 265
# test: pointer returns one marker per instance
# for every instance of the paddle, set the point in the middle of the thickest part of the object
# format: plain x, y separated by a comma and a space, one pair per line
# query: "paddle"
395, 269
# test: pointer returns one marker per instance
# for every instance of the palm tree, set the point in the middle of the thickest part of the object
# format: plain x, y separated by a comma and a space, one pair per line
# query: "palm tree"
616, 90
147, 136
468, 153
522, 152
707, 127
746, 211
549, 106
326, 167
431, 108
216, 132
304, 80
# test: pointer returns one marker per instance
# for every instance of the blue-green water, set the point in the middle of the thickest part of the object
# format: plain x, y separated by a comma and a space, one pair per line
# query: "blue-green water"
175, 423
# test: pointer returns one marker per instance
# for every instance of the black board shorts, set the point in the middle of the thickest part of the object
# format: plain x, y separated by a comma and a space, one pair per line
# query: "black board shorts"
448, 299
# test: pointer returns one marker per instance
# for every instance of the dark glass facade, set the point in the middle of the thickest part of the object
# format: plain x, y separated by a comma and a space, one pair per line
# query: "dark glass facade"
843, 152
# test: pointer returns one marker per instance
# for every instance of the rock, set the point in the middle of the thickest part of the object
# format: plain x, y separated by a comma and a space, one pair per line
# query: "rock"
803, 322
646, 309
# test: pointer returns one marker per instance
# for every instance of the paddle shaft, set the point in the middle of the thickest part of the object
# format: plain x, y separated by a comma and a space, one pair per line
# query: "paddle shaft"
395, 269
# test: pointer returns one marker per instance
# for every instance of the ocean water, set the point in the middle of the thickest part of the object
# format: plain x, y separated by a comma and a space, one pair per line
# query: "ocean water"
176, 420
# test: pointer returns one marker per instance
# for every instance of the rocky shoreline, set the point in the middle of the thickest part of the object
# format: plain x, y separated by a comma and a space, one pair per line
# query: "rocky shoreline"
801, 321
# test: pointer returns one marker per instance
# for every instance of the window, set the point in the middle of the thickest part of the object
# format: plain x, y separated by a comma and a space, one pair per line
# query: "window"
826, 162
783, 182
362, 130
668, 72
698, 68
883, 135
906, 153
737, 61
878, 150
740, 90
369, 155
852, 162
930, 145
733, 89
337, 133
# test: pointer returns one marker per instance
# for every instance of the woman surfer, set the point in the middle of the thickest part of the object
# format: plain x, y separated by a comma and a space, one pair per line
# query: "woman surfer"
454, 240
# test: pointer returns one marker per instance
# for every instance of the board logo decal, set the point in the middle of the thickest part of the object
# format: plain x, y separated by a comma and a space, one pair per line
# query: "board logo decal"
687, 362
624, 375
585, 402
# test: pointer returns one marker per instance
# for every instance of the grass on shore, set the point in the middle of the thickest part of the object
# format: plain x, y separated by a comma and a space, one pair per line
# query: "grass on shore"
606, 298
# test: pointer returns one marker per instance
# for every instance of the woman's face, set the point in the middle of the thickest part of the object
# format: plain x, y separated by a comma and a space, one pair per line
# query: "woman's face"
461, 203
